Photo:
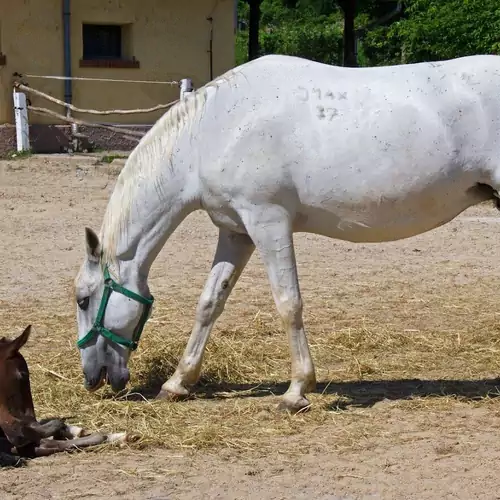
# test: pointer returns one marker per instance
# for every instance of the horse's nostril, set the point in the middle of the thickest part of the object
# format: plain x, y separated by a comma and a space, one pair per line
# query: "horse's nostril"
92, 383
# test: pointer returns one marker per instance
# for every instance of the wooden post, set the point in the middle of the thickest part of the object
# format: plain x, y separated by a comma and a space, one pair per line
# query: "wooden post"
186, 86
22, 125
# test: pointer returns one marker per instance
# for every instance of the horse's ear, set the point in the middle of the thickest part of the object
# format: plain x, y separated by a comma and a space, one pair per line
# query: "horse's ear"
93, 245
17, 344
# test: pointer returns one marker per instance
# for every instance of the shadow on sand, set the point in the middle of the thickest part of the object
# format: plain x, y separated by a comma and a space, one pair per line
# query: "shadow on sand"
363, 393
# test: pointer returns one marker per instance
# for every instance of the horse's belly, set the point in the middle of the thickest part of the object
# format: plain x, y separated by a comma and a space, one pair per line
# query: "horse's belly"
378, 223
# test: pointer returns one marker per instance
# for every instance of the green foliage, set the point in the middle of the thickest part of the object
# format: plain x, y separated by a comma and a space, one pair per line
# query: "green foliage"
429, 30
241, 48
305, 28
437, 30
319, 40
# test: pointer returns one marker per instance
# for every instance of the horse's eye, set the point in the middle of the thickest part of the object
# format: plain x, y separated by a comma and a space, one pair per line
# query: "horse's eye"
83, 304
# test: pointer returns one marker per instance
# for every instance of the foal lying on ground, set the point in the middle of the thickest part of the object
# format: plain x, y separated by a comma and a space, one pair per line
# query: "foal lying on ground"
21, 435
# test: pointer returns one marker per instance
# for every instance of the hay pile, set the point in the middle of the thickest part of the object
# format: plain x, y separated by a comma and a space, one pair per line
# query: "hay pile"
359, 363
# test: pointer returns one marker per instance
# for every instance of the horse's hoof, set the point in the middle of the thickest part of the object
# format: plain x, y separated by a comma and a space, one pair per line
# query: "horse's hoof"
293, 406
170, 396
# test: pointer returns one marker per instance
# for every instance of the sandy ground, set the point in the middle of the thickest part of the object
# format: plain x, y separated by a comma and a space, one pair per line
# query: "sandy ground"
422, 454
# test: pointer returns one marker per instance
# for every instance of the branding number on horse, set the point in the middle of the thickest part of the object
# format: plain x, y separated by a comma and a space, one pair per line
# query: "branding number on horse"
328, 113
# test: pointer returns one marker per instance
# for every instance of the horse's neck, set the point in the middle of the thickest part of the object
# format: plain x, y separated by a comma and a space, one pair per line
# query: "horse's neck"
156, 209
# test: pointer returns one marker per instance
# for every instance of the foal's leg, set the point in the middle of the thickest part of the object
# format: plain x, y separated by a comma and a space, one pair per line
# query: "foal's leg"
48, 428
51, 446
56, 428
233, 252
271, 232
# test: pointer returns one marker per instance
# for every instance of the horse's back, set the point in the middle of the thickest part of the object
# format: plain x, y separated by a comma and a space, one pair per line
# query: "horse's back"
282, 66
389, 151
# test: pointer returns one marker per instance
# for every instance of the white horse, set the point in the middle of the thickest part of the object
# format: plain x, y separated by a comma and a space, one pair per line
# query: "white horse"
277, 146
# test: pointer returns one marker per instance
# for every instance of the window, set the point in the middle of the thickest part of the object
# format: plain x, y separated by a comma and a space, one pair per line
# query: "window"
104, 44
102, 41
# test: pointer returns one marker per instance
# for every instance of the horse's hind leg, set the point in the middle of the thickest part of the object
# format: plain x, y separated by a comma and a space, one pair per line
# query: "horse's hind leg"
272, 234
233, 252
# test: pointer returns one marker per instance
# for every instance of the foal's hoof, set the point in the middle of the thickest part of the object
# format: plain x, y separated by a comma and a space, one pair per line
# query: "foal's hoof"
8, 460
294, 405
170, 396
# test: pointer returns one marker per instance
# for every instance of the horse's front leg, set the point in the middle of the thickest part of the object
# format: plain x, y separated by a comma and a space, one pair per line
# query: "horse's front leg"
271, 231
233, 252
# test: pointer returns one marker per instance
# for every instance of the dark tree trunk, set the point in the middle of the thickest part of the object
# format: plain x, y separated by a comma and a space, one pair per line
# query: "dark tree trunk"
253, 29
349, 8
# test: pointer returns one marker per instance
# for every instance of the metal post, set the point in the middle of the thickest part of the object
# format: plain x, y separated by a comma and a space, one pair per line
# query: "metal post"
186, 86
22, 125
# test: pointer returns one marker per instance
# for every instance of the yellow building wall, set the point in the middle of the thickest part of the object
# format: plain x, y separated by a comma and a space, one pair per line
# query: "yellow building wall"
31, 39
170, 39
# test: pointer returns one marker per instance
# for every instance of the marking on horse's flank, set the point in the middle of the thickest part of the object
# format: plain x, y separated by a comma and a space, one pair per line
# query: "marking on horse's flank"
319, 94
303, 94
327, 113
329, 94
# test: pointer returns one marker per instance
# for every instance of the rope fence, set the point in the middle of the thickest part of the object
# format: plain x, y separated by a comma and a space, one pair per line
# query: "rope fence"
43, 111
38, 93
22, 105
89, 79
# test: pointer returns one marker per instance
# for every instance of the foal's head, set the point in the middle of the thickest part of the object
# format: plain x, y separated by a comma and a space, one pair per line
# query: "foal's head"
16, 403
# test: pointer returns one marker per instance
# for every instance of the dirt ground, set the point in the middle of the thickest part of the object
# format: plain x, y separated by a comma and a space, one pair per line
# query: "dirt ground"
440, 285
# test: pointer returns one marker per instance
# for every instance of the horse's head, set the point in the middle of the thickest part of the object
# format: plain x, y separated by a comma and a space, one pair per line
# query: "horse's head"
110, 317
16, 403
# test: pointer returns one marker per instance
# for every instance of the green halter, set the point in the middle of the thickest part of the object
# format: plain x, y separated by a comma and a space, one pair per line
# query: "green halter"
98, 328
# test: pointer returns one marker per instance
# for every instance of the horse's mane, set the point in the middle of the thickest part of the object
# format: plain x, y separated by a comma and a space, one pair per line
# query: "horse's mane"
142, 164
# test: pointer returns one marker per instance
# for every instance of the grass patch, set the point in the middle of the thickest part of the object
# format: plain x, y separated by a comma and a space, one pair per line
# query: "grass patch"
110, 158
18, 155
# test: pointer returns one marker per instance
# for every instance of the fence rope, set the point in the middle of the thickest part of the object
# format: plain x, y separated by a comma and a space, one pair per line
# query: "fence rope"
133, 134
30, 90
22, 122
87, 79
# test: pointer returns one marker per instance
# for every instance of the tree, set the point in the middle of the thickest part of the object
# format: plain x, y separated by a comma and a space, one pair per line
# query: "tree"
321, 30
435, 30
253, 28
350, 8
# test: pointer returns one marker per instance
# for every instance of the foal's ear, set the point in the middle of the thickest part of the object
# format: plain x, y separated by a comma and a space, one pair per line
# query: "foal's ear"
93, 245
17, 344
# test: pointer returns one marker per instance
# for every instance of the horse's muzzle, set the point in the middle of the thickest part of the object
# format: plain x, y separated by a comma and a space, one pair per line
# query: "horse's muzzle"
118, 378
94, 382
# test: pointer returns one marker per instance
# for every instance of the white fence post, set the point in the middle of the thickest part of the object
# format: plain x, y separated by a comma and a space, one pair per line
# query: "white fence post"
186, 86
22, 126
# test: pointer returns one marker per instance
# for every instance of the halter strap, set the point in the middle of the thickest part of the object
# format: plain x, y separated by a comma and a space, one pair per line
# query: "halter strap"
98, 328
